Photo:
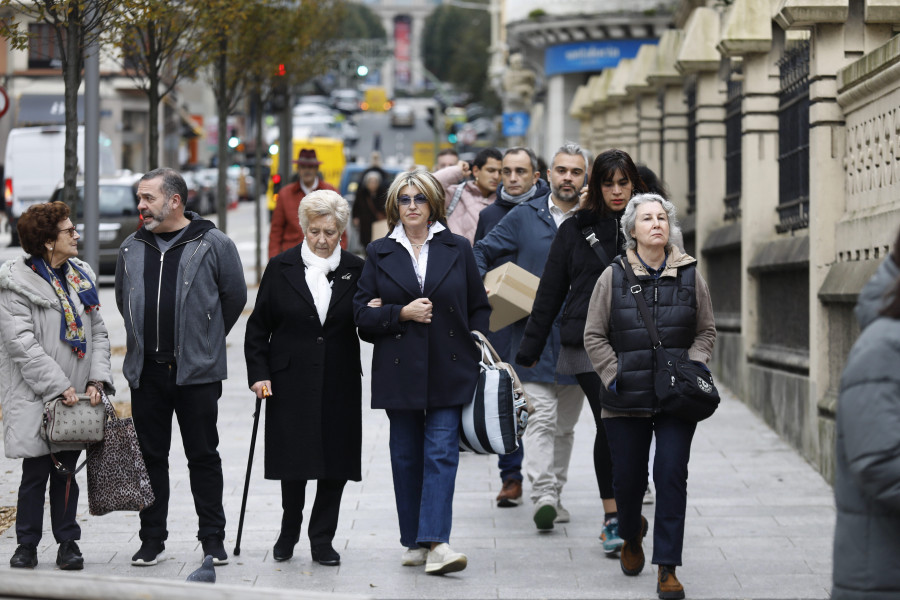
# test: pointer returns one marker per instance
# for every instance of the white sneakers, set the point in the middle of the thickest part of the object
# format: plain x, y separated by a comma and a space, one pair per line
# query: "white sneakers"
562, 515
442, 559
414, 557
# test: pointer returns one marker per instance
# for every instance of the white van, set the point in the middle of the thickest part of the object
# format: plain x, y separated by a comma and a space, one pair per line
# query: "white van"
34, 166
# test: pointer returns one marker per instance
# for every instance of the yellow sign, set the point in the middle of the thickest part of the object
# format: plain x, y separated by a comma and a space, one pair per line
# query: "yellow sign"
423, 153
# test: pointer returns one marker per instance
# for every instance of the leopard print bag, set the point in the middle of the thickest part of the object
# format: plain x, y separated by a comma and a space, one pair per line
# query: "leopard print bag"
116, 473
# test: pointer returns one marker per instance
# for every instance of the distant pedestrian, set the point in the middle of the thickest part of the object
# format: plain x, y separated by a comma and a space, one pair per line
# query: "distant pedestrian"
867, 474
447, 157
301, 345
284, 231
621, 352
180, 288
572, 269
54, 343
368, 205
419, 297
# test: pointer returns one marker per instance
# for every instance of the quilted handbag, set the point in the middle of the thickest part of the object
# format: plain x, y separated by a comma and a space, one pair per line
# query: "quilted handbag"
80, 423
495, 419
116, 473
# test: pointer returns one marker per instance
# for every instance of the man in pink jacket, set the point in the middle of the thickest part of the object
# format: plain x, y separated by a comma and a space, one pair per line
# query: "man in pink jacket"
465, 197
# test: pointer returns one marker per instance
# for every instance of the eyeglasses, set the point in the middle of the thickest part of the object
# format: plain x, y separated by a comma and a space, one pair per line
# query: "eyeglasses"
418, 199
70, 230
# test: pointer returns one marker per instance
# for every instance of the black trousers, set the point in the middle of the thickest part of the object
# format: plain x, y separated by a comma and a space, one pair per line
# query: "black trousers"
197, 409
30, 506
324, 517
592, 387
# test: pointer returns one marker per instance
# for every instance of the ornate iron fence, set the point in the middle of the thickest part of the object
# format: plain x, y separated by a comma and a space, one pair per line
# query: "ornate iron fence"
793, 139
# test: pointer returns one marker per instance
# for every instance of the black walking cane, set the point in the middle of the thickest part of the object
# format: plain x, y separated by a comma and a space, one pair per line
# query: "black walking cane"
237, 545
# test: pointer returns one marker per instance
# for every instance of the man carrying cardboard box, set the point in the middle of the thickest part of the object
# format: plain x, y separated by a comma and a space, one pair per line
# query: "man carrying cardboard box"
524, 236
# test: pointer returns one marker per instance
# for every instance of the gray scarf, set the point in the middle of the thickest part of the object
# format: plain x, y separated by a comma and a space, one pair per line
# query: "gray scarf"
521, 197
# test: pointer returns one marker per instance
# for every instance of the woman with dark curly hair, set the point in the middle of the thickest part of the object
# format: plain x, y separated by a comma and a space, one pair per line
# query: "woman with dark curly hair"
54, 343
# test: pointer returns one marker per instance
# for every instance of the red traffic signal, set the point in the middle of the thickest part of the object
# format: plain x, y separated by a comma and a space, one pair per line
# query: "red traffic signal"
281, 70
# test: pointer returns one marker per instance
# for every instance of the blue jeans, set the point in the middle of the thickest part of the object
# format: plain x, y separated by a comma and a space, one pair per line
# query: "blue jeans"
510, 465
424, 459
629, 442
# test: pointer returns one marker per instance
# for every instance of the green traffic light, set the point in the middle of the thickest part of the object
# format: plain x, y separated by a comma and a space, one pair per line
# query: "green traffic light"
362, 70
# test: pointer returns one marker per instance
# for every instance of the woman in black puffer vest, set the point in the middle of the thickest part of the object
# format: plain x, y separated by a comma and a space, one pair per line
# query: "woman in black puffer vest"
619, 346
570, 274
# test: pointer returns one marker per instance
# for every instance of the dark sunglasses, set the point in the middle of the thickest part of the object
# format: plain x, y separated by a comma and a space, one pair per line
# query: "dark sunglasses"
418, 199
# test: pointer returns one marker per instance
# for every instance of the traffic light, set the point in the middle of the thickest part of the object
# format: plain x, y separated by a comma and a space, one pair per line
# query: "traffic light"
279, 90
362, 70
431, 116
452, 138
276, 182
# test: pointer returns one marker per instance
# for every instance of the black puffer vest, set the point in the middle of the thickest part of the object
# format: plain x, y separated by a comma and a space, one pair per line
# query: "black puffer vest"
673, 304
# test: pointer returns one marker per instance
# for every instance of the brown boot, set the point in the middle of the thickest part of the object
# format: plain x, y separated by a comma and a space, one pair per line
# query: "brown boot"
667, 585
511, 494
631, 557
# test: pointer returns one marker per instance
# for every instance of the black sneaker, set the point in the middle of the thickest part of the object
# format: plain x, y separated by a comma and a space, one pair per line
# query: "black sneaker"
149, 554
25, 557
213, 546
68, 557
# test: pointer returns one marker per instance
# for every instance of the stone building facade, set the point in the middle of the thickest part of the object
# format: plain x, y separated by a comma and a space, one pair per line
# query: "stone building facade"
776, 125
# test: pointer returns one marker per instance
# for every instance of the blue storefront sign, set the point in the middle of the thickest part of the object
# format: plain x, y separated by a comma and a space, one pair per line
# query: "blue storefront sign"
581, 57
515, 123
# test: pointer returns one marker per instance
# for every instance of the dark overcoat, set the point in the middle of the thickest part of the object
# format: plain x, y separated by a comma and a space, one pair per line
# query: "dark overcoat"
422, 365
314, 419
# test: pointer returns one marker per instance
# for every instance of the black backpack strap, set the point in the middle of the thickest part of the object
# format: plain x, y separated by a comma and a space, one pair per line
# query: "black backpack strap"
593, 242
636, 291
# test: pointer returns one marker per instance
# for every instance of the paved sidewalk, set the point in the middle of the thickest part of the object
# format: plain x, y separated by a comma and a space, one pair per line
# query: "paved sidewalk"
760, 519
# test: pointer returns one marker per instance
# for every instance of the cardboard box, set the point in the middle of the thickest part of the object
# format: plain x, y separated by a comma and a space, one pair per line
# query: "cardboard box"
512, 294
379, 229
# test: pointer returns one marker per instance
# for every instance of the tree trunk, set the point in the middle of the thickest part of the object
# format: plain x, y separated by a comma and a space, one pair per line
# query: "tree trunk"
154, 99
72, 80
257, 175
222, 106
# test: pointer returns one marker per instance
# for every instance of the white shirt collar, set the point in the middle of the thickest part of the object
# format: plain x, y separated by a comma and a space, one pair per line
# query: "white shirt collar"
307, 190
557, 213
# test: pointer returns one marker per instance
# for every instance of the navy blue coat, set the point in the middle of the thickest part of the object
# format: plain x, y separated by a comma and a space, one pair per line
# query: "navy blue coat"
525, 235
420, 365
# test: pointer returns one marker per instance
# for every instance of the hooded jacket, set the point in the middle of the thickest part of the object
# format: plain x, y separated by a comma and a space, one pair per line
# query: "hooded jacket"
35, 365
867, 475
208, 301
464, 218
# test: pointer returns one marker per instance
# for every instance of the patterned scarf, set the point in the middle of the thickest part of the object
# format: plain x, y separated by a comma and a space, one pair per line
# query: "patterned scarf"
71, 330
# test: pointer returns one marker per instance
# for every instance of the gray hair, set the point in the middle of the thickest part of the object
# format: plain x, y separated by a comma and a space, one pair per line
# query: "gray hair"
372, 175
629, 218
172, 183
322, 203
573, 149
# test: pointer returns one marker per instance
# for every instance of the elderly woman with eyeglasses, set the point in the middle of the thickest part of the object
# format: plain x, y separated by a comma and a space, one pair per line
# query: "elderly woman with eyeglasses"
53, 343
619, 346
419, 296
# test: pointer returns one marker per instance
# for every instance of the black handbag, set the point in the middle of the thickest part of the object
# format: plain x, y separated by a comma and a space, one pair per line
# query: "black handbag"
683, 388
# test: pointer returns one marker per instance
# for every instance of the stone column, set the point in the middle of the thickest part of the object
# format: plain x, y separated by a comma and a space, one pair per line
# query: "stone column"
839, 34
648, 109
626, 137
668, 82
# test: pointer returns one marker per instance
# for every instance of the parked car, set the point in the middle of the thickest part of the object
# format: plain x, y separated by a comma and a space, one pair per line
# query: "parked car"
119, 216
403, 115
201, 198
346, 100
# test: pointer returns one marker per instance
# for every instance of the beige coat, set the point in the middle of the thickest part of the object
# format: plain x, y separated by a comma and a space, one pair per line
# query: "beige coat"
35, 365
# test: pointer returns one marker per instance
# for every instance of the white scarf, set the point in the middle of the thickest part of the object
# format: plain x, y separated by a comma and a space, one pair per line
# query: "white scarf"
317, 270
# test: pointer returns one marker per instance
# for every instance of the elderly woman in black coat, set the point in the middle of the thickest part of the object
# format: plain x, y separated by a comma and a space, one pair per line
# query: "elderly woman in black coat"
301, 347
419, 296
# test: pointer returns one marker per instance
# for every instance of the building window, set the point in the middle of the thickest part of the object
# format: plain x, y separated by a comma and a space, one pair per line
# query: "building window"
691, 101
793, 139
733, 144
43, 47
